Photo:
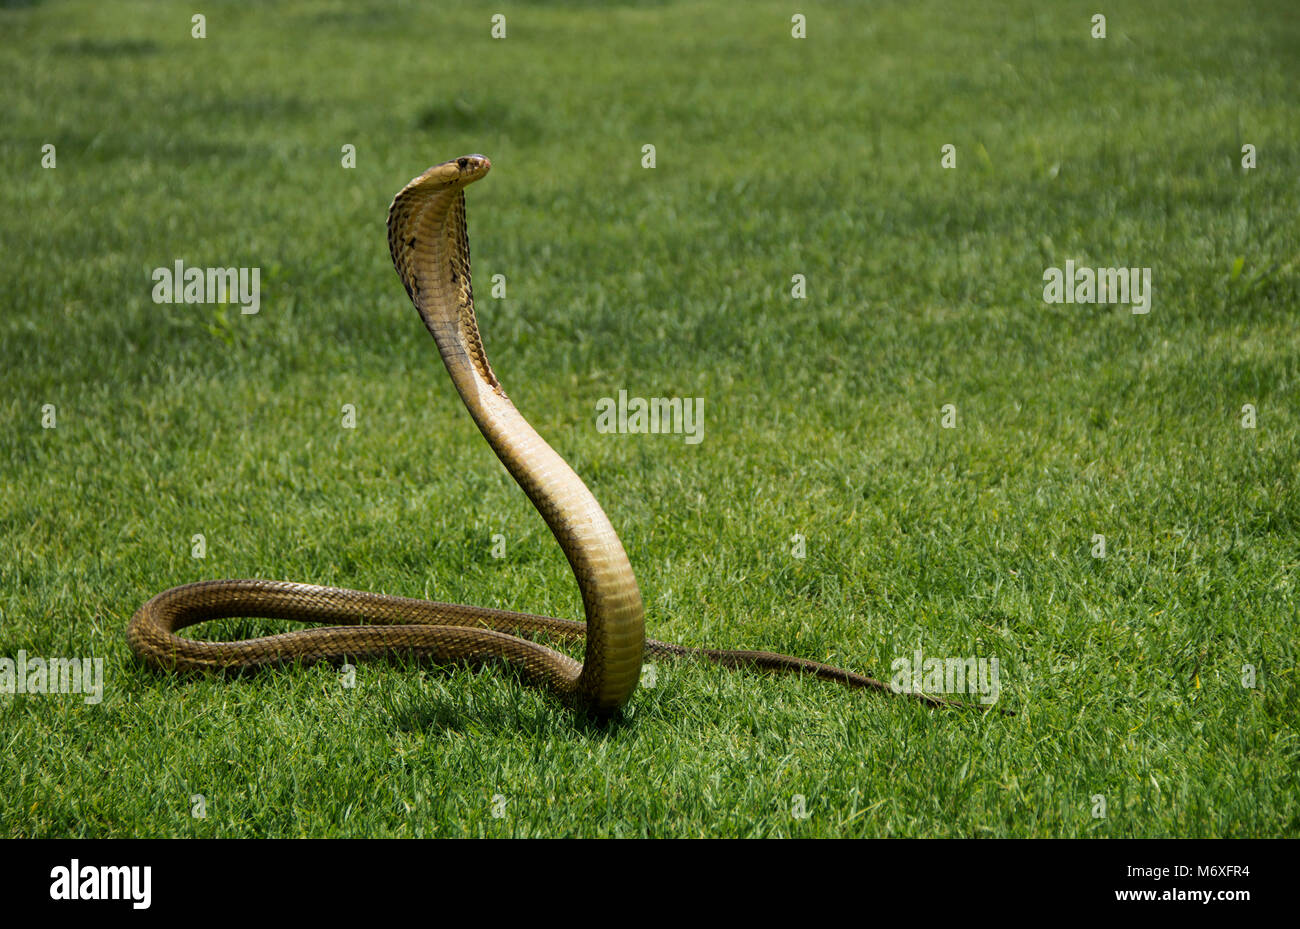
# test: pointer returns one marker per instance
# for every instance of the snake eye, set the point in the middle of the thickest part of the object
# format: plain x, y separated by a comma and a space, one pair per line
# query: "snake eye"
462, 163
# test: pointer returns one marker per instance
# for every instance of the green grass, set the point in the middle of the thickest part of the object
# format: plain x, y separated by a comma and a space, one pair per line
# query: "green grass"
775, 157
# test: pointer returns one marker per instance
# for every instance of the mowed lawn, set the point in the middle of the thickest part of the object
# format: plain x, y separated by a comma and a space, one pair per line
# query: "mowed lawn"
1154, 689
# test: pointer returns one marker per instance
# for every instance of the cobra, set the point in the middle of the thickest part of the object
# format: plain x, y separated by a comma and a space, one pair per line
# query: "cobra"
429, 244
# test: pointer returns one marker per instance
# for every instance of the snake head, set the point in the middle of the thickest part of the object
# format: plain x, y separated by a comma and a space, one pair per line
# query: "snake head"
422, 207
453, 174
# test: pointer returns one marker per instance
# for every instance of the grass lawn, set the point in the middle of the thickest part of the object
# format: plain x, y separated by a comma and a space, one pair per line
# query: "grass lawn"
823, 416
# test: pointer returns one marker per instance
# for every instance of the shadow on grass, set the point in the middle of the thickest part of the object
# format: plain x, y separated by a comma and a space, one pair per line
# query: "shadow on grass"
501, 705
107, 48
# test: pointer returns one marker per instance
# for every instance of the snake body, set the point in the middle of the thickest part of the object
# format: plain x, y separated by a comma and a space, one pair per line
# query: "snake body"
429, 244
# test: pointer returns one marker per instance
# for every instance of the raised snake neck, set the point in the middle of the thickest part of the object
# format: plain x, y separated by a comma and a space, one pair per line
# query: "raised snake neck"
430, 249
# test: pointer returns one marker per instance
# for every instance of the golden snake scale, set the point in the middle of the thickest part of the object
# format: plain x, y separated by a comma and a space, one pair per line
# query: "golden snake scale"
430, 248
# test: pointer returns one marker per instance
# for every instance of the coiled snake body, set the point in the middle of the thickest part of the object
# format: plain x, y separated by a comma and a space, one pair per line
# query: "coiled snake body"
430, 248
